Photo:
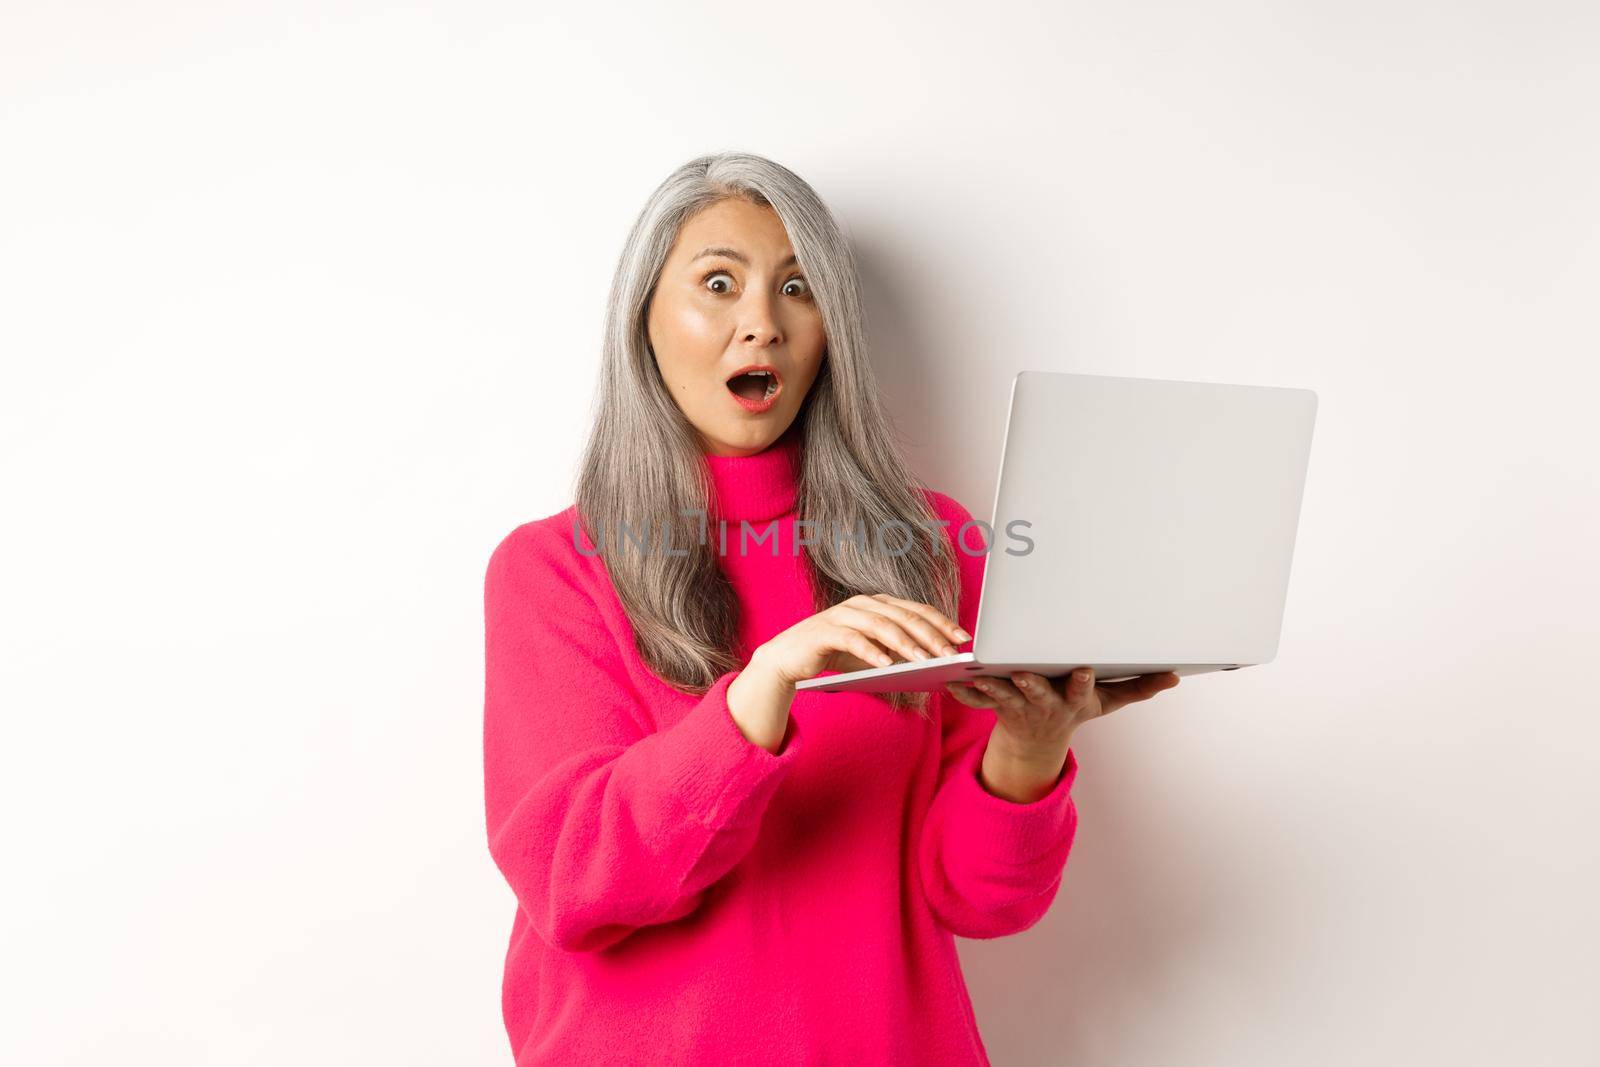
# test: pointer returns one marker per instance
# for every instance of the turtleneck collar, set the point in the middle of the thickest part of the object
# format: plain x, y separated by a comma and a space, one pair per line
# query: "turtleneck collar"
759, 487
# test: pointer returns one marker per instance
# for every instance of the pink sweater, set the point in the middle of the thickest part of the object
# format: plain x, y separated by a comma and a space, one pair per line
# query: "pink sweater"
687, 897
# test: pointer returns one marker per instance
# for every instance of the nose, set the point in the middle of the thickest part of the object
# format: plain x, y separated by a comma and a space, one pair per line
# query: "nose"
758, 324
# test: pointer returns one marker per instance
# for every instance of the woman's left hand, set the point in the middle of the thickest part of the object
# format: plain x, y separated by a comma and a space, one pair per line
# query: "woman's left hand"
1035, 716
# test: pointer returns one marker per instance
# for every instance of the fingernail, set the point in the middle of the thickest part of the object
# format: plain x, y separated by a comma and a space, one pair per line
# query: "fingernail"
962, 635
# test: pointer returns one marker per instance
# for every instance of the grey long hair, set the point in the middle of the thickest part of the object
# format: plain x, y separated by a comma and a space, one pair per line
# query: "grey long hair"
643, 463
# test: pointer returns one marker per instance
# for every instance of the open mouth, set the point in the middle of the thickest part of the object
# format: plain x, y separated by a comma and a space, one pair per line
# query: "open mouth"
755, 386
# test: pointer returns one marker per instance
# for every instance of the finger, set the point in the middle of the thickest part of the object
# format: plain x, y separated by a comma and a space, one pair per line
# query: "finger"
1037, 690
939, 619
1002, 692
1115, 694
935, 632
854, 641
967, 695
915, 622
881, 627
1078, 688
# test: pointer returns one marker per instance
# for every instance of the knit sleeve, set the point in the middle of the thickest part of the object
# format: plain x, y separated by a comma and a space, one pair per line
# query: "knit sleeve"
600, 824
989, 866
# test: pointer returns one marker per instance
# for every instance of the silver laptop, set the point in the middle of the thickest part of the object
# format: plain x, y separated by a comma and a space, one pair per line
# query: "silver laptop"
1140, 525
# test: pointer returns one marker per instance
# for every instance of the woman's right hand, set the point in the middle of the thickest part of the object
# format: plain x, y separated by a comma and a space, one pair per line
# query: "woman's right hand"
857, 634
854, 635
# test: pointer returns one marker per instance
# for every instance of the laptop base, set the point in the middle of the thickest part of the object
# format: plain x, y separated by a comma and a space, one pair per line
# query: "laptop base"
930, 674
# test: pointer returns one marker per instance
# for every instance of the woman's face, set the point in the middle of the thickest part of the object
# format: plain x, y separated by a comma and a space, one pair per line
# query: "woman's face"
731, 296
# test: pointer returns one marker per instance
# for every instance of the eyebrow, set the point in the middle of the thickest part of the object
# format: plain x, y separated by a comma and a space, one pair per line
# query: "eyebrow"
737, 256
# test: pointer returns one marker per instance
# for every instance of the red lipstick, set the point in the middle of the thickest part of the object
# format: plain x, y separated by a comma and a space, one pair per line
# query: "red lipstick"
749, 377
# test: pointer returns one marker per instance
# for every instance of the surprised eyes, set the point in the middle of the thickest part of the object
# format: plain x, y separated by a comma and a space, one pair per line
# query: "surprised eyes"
724, 286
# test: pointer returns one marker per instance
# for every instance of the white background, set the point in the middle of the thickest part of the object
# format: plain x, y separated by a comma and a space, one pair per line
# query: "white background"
300, 308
